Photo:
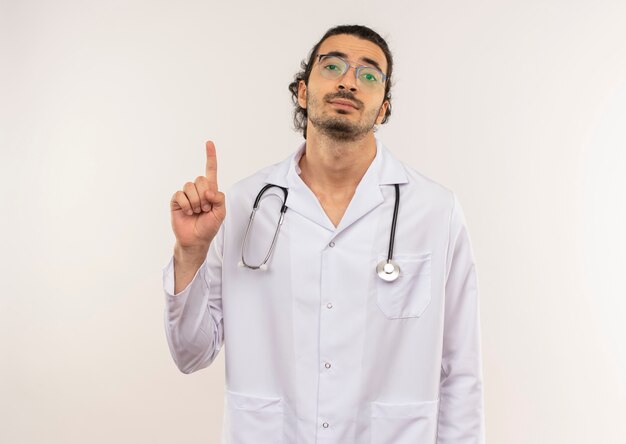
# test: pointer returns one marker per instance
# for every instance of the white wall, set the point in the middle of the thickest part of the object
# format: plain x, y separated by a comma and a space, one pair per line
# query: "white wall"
519, 107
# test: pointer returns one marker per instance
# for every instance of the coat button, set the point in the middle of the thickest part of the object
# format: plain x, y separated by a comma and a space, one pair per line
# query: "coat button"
327, 365
331, 245
329, 305
325, 425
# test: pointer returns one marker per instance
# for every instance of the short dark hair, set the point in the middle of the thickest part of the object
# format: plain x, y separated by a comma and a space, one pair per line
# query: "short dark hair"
362, 32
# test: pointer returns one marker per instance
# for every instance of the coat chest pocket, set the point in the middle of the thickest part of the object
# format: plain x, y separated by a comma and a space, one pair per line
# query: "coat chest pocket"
409, 295
253, 419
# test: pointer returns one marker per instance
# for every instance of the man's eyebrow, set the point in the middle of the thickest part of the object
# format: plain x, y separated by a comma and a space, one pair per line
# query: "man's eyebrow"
372, 62
367, 60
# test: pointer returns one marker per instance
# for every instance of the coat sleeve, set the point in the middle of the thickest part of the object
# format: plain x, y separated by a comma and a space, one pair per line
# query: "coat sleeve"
461, 406
193, 318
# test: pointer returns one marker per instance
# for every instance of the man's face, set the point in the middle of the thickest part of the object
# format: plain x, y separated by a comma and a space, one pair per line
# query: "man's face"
322, 97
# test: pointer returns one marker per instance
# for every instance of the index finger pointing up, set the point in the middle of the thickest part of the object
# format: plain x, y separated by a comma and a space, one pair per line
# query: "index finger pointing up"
211, 165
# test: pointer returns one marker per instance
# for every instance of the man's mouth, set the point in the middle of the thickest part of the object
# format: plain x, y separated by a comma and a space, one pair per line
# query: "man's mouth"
342, 103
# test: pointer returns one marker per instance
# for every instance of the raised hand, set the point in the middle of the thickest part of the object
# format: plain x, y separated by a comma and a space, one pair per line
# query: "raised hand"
199, 209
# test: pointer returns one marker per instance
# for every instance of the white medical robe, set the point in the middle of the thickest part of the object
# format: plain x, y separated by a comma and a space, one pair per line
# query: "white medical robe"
318, 348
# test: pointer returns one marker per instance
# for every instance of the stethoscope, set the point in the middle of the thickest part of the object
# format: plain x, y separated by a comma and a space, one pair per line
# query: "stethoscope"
388, 270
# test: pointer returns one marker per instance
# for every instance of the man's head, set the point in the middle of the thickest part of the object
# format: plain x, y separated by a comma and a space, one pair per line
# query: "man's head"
324, 83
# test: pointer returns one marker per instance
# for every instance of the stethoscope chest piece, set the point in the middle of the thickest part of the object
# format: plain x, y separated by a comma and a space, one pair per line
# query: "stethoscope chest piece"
388, 270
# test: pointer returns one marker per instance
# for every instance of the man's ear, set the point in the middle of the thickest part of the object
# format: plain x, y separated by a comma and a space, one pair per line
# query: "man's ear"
302, 94
382, 112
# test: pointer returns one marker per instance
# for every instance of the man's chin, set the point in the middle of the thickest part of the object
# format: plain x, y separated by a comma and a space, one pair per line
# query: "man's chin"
340, 127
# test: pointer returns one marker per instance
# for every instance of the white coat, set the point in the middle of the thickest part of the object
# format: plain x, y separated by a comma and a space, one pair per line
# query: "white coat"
318, 348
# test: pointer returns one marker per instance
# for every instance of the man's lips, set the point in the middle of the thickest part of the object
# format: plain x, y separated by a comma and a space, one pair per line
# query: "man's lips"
344, 103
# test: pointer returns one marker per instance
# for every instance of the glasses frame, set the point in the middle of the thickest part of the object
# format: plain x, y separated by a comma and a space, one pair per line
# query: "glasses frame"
358, 68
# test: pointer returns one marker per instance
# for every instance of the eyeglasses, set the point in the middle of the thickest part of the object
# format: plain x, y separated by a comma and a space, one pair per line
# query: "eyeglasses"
333, 67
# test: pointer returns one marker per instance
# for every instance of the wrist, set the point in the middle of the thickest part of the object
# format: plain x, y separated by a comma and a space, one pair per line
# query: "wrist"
192, 256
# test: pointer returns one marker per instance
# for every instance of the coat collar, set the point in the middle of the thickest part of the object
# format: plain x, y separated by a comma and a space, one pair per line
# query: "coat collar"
388, 169
385, 169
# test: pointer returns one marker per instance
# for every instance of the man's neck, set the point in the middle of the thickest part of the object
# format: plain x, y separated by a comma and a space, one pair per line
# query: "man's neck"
332, 170
332, 166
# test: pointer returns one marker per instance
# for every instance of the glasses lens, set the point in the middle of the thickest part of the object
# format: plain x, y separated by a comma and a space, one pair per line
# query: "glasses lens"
370, 77
332, 67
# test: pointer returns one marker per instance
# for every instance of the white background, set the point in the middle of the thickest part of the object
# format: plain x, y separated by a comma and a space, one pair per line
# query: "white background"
519, 107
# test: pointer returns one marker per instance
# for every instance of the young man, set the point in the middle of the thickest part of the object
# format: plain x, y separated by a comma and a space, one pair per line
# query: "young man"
348, 305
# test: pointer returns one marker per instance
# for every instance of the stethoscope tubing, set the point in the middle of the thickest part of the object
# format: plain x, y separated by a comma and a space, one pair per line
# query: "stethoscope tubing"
255, 207
387, 270
392, 235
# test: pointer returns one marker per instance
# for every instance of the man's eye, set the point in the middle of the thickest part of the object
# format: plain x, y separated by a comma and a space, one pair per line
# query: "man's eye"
368, 77
332, 67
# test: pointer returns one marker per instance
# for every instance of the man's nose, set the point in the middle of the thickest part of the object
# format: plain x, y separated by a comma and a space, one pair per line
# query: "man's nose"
348, 80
